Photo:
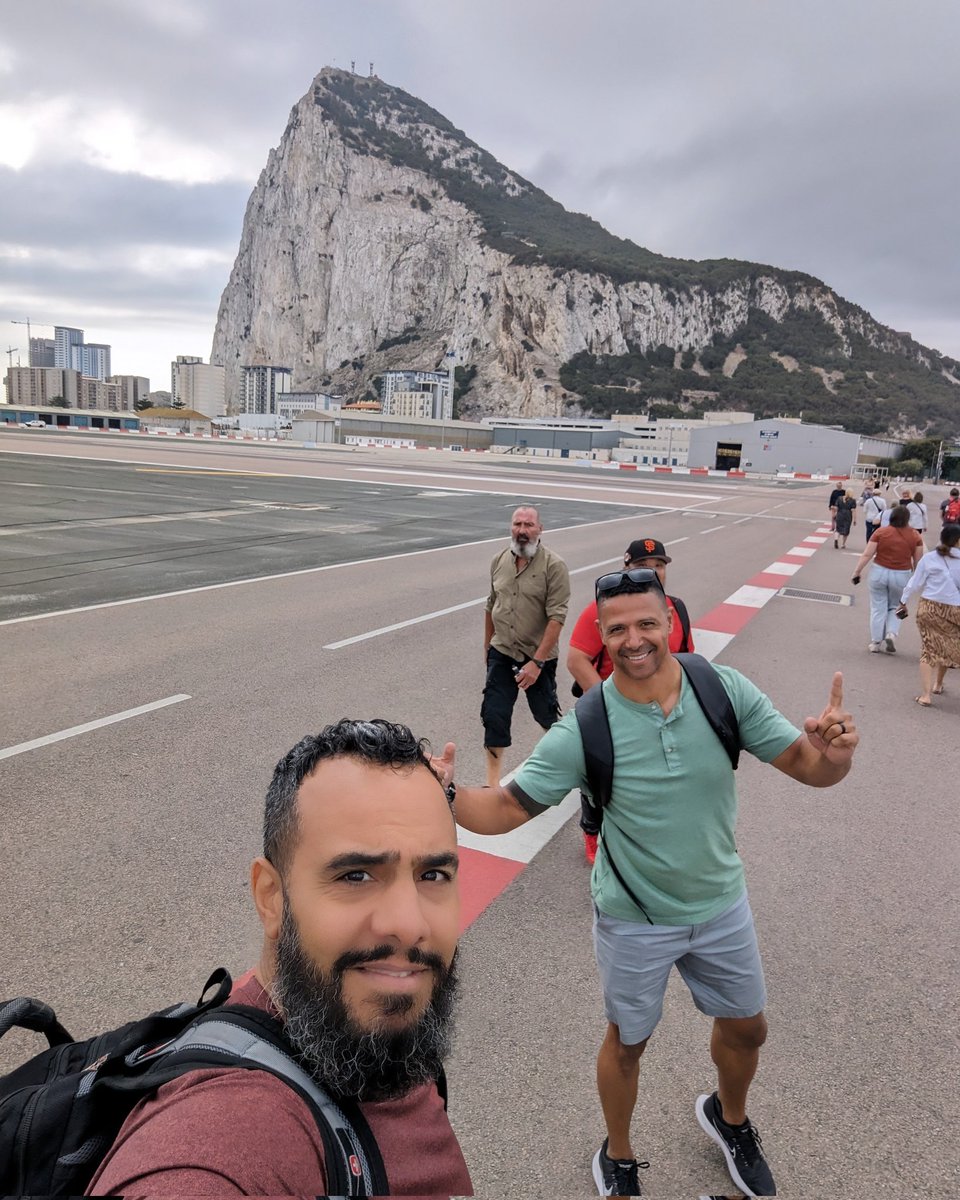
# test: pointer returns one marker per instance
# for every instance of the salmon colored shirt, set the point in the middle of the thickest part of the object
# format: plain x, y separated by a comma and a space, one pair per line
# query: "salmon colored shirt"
246, 1133
895, 547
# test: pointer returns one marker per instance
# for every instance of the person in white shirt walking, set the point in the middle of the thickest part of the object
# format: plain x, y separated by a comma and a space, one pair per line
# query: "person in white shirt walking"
937, 581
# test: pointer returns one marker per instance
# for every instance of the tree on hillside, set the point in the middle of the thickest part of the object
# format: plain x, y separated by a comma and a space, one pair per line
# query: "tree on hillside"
178, 403
140, 405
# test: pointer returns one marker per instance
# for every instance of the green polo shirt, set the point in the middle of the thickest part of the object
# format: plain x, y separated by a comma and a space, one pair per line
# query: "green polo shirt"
672, 815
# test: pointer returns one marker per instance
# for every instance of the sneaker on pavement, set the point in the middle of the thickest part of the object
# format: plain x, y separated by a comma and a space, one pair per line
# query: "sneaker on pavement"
741, 1148
590, 847
890, 645
614, 1176
874, 647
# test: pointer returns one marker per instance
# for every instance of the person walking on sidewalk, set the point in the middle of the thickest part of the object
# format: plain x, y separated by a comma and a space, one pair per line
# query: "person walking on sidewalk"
937, 581
894, 550
588, 661
668, 885
526, 609
835, 497
846, 517
874, 506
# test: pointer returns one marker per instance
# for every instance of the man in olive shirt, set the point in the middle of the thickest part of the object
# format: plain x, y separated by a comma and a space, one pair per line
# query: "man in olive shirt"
526, 608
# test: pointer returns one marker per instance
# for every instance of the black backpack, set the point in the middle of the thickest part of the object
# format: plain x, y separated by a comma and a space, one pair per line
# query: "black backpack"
594, 724
681, 611
61, 1111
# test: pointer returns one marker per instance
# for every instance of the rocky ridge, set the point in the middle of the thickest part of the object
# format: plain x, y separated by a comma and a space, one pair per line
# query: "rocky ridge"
378, 236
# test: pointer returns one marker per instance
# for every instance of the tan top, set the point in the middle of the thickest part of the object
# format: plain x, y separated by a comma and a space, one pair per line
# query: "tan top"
522, 604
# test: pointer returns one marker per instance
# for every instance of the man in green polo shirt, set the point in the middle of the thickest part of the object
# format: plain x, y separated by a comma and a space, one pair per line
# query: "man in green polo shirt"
669, 829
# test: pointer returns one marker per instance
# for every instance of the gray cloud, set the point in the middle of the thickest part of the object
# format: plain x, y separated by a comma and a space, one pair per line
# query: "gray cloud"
816, 136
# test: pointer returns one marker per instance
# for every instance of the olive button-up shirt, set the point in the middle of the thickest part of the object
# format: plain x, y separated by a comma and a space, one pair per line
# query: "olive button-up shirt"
522, 604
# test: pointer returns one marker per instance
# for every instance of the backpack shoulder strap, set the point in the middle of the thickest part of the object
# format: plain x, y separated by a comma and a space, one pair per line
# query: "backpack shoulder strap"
591, 713
681, 610
241, 1037
713, 699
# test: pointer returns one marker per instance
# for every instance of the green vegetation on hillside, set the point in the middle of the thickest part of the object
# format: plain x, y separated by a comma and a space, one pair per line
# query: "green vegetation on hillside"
530, 226
870, 390
873, 392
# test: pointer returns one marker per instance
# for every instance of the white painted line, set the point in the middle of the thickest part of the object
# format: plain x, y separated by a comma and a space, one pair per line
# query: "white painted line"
802, 551
709, 642
699, 497
522, 844
750, 596
742, 520
357, 562
76, 730
712, 529
782, 568
440, 612
817, 541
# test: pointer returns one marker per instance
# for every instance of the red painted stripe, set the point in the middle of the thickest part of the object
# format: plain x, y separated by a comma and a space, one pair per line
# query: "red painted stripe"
727, 618
482, 878
767, 579
801, 560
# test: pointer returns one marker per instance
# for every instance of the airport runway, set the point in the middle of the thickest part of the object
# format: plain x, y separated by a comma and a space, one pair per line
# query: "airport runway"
127, 846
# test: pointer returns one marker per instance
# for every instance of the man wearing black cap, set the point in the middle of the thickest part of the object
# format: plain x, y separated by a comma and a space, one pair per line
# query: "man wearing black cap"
588, 661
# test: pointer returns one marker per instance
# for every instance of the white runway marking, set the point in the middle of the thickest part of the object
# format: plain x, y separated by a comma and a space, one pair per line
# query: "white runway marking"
712, 529
76, 730
440, 612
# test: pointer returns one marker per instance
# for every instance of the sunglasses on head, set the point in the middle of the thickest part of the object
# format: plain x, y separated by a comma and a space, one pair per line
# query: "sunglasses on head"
610, 583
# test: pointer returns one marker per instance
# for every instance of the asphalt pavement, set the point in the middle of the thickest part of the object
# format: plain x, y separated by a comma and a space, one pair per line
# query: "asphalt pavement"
127, 847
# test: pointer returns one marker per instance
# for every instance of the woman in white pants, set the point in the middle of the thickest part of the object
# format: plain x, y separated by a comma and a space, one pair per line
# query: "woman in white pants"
895, 550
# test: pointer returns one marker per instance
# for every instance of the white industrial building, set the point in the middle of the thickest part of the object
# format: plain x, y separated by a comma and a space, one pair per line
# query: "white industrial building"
430, 393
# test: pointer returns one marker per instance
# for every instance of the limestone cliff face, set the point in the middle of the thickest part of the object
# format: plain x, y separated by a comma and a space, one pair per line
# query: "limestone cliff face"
345, 250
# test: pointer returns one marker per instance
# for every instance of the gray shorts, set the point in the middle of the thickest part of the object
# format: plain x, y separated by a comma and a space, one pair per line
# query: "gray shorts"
718, 960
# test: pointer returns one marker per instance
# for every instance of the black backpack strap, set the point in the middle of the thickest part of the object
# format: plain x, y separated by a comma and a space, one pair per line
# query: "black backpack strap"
25, 1013
247, 1038
591, 712
713, 699
681, 611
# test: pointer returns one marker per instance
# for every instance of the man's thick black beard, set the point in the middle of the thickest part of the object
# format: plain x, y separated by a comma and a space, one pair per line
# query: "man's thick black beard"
377, 1064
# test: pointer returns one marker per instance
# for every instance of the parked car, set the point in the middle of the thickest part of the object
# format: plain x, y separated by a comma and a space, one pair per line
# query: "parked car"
35, 424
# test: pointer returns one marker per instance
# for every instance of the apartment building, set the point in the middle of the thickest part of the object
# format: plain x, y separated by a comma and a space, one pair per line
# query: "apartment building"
200, 386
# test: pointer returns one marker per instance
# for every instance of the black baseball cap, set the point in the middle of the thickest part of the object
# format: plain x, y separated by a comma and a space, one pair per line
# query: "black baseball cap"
646, 548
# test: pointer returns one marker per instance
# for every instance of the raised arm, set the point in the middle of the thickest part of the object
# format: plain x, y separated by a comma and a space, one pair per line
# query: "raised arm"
479, 809
824, 756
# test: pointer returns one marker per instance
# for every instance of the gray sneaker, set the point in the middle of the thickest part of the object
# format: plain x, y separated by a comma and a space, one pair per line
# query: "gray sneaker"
890, 644
874, 647
741, 1147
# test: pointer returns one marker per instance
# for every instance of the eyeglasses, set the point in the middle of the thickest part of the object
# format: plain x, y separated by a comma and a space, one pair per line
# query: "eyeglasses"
610, 583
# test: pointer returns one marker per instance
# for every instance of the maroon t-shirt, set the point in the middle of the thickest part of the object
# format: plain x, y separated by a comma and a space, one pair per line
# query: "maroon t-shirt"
222, 1132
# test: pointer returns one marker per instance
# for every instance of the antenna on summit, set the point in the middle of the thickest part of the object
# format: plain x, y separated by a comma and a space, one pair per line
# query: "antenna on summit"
371, 70
353, 66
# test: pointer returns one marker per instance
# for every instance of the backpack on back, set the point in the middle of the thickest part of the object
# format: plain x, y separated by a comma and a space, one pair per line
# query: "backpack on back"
594, 725
951, 514
61, 1111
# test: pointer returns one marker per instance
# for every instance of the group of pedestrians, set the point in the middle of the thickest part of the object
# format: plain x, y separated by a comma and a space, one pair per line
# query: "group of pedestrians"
900, 570
667, 883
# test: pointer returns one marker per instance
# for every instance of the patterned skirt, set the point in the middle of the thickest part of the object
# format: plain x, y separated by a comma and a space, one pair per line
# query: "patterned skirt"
939, 626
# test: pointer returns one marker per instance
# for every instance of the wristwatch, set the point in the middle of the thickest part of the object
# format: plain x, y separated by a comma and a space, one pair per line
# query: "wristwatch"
539, 662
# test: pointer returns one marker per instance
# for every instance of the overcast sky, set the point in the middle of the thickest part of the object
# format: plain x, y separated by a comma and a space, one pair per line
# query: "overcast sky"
819, 135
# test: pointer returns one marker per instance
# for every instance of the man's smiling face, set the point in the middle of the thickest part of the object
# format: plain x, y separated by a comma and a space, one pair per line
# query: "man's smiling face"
635, 628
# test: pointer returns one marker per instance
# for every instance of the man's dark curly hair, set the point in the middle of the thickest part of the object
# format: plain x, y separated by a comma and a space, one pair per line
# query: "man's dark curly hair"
379, 742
